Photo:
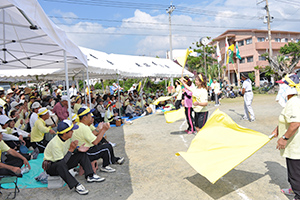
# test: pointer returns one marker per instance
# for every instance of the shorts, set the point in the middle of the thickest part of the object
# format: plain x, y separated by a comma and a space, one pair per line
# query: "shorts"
200, 119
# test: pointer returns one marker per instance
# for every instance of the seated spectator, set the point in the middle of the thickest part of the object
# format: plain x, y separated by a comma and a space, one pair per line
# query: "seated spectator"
62, 154
61, 108
110, 115
101, 109
130, 111
13, 162
77, 104
39, 129
86, 137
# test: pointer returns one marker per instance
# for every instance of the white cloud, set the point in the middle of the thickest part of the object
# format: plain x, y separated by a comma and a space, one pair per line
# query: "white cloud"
222, 15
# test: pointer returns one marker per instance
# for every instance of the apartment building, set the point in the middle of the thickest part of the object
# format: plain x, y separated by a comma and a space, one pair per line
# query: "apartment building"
252, 44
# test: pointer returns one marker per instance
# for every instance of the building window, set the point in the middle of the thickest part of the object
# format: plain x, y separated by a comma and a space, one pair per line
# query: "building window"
241, 43
277, 40
262, 58
242, 60
249, 41
250, 59
286, 40
261, 39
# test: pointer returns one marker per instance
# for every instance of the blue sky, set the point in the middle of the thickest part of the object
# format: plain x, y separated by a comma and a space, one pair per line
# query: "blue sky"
141, 27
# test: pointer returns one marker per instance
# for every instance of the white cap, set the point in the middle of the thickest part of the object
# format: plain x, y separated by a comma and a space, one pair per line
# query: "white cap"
291, 90
35, 105
64, 98
9, 91
42, 111
14, 104
4, 119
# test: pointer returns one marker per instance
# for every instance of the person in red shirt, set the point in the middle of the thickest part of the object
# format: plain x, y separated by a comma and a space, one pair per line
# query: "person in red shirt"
61, 108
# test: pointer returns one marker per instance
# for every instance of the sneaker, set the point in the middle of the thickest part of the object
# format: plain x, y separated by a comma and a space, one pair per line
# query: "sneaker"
35, 153
189, 132
186, 131
252, 120
24, 170
216, 104
80, 189
107, 169
245, 118
94, 178
121, 160
288, 191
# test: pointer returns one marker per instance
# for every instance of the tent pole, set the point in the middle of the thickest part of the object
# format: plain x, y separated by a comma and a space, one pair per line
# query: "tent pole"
4, 40
118, 92
84, 88
67, 83
88, 82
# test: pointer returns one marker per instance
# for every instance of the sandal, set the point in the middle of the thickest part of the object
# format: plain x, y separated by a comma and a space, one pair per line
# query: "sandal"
288, 191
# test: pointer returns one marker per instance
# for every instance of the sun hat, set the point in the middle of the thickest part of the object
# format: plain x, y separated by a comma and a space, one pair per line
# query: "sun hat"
292, 80
66, 126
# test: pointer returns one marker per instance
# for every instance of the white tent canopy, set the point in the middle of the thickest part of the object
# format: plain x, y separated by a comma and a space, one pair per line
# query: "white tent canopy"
29, 39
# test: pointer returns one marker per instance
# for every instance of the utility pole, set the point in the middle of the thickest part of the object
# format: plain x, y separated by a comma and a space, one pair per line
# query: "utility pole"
169, 11
269, 28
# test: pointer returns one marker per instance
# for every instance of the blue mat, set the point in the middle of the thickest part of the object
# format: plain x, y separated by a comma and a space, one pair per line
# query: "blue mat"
28, 181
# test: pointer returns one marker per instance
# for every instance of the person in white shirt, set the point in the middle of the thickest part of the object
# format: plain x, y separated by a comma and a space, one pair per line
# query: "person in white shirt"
248, 97
35, 108
178, 94
73, 90
216, 87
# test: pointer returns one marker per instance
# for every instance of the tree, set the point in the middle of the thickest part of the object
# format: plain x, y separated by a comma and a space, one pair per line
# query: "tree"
287, 60
197, 63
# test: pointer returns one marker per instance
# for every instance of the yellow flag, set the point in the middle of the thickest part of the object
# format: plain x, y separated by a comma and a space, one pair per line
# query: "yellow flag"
156, 102
182, 60
221, 145
139, 86
174, 115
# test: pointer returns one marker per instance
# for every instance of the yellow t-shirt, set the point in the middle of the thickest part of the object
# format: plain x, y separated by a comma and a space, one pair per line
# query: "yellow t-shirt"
38, 131
77, 106
84, 134
291, 113
3, 148
200, 95
92, 127
56, 149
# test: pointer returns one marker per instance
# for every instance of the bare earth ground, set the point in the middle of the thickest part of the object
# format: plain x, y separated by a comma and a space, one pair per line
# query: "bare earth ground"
152, 171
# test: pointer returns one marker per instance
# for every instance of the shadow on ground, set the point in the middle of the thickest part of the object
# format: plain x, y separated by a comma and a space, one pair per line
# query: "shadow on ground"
277, 173
232, 181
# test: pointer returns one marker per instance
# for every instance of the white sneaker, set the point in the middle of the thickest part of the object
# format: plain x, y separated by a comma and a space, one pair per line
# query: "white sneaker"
80, 189
107, 169
94, 178
121, 161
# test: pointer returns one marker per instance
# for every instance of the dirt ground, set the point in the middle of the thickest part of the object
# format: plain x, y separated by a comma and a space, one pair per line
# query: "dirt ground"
152, 171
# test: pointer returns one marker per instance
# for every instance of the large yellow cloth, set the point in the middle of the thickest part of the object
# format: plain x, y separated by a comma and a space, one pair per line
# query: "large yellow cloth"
174, 115
156, 102
221, 145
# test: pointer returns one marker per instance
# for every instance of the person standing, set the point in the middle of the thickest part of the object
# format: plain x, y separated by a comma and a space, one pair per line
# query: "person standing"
178, 94
73, 90
248, 97
288, 133
188, 104
215, 86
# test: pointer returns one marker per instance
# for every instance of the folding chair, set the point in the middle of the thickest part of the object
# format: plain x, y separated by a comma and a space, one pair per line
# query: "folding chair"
9, 179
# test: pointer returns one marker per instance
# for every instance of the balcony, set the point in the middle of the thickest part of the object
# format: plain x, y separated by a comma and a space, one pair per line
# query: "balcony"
265, 45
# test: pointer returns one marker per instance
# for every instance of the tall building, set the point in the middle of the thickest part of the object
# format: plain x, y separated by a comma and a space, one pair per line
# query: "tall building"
252, 44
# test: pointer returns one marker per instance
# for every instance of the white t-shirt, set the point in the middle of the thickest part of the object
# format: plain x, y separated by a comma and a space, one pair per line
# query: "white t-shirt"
200, 95
247, 85
33, 119
216, 87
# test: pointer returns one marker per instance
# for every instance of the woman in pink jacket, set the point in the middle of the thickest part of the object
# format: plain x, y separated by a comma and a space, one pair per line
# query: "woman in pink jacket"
188, 104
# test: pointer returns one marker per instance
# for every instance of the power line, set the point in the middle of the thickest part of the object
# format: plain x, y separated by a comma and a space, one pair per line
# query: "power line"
129, 34
143, 22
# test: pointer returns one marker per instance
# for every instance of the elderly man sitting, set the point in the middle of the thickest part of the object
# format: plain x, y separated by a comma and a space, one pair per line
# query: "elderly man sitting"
62, 154
61, 108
